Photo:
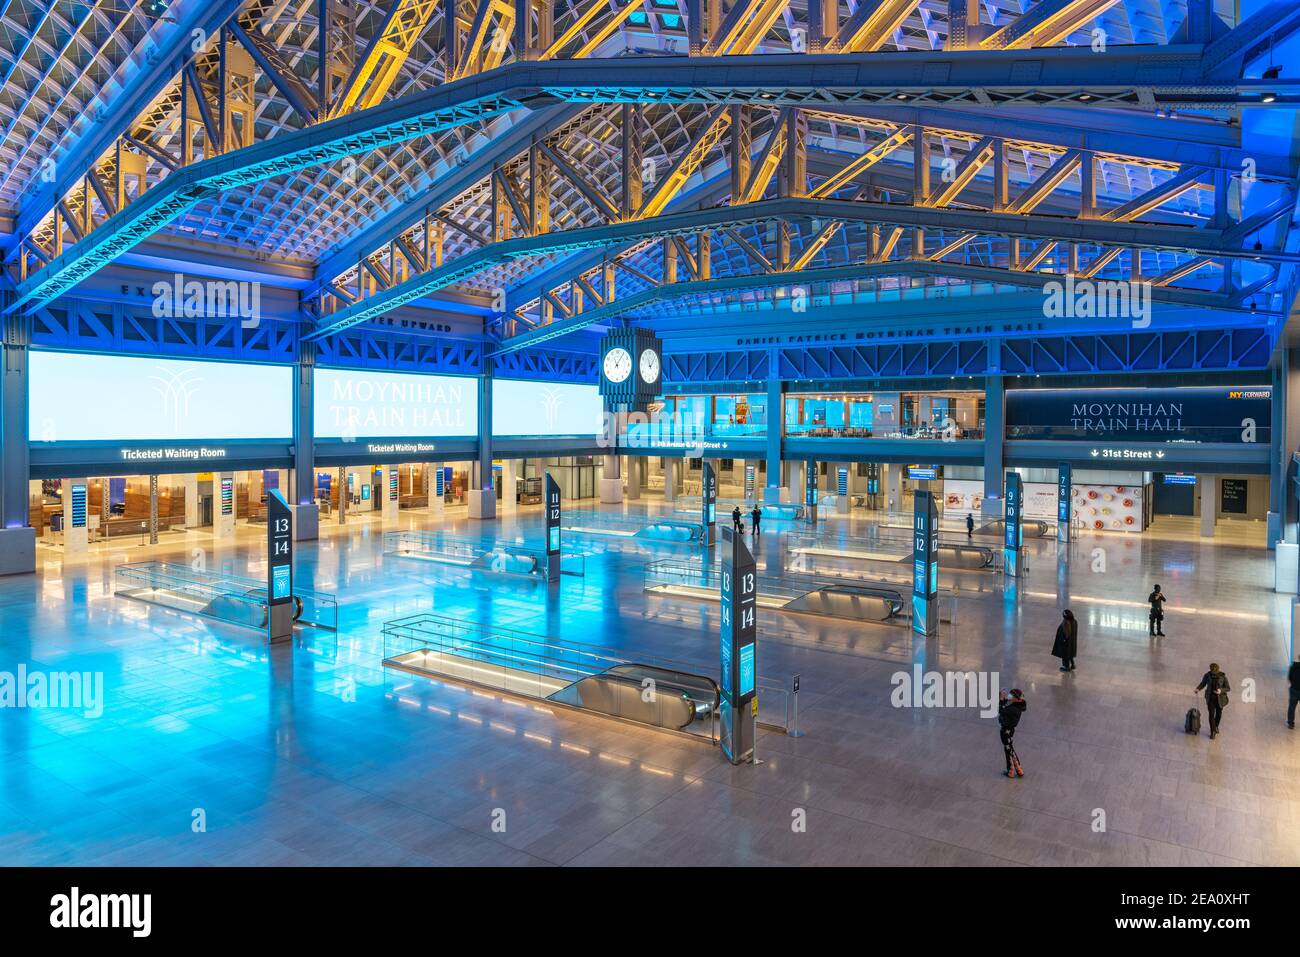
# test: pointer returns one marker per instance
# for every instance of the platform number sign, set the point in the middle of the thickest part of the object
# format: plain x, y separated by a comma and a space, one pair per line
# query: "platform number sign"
708, 502
737, 647
925, 564
552, 516
279, 548
1013, 541
1063, 502
810, 483
78, 506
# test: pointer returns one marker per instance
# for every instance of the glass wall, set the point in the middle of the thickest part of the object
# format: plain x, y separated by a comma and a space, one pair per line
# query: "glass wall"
886, 415
735, 414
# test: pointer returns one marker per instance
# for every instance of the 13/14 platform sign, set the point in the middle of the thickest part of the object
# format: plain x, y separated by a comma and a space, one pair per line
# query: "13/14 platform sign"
279, 565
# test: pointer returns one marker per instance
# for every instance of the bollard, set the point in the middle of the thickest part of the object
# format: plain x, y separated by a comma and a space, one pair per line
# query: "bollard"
793, 730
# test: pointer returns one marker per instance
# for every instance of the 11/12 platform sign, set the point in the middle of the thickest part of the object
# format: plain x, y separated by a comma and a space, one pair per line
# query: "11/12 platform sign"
279, 566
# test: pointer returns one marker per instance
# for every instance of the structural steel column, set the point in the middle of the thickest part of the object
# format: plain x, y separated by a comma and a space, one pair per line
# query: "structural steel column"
772, 488
482, 495
17, 540
995, 417
302, 496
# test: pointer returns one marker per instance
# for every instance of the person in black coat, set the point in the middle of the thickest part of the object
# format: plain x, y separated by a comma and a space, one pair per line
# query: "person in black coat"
1066, 645
1010, 710
970, 526
735, 520
1215, 685
1157, 599
756, 516
1293, 676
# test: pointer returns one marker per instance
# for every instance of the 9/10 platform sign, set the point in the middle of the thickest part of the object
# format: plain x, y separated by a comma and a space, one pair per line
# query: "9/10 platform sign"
279, 565
1013, 543
925, 564
738, 652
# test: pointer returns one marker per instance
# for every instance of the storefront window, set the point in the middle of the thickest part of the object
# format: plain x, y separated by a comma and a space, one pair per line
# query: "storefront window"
886, 415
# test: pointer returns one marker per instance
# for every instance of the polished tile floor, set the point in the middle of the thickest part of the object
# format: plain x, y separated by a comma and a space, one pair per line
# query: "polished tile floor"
214, 749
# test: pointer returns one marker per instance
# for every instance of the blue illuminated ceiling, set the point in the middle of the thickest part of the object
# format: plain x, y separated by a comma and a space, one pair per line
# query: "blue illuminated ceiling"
643, 164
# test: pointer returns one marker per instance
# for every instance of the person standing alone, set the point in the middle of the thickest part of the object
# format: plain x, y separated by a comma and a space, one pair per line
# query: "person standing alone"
756, 516
970, 526
1010, 710
1215, 685
1066, 645
1157, 600
735, 520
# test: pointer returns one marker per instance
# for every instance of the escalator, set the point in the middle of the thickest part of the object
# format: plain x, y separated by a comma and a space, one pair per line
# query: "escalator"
964, 556
855, 602
680, 699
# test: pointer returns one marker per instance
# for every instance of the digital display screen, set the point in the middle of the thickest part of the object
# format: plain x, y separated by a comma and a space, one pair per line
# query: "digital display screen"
352, 404
746, 669
522, 407
921, 473
78, 506
554, 542
392, 485
438, 487
1180, 480
227, 496
281, 582
365, 493
79, 397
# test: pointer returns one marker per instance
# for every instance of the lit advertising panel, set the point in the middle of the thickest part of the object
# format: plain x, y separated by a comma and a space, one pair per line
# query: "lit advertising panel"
351, 404
81, 397
524, 407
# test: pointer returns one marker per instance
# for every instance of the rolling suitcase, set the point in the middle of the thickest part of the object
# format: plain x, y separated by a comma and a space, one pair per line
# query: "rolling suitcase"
1192, 723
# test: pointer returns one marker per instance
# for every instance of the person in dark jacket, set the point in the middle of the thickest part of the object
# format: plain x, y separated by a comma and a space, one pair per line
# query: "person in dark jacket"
1010, 709
735, 520
1215, 685
756, 516
1157, 599
970, 526
1293, 676
1066, 645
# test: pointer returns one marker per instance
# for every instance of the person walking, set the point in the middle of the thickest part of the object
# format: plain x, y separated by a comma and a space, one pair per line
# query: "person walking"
756, 516
1010, 709
1293, 676
1066, 645
970, 526
735, 520
1157, 620
1215, 685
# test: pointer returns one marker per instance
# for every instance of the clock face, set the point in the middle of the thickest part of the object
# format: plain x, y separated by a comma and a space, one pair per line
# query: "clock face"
649, 366
618, 365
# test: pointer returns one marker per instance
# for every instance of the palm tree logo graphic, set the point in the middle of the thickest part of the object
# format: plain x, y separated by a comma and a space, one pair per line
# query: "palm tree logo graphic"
176, 389
551, 405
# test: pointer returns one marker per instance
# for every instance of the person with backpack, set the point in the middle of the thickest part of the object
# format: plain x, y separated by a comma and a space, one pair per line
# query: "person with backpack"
1293, 677
1010, 709
756, 516
1157, 620
970, 527
1215, 685
735, 520
1066, 645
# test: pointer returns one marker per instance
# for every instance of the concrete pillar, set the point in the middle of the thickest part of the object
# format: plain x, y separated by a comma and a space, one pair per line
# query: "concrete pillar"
435, 478
611, 481
17, 538
1208, 488
995, 418
670, 479
634, 467
390, 494
508, 503
223, 509
191, 485
894, 487
76, 538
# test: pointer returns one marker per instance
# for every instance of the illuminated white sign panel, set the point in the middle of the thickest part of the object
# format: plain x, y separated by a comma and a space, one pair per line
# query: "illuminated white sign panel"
79, 397
351, 403
522, 407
